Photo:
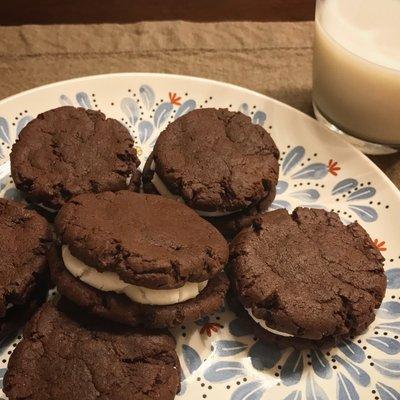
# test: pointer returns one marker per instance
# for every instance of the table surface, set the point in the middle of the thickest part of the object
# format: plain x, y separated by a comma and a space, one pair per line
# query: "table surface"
274, 58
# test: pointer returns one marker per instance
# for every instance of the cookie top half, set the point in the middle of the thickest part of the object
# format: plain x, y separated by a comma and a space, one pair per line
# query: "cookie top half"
307, 274
68, 151
217, 160
24, 239
148, 240
63, 357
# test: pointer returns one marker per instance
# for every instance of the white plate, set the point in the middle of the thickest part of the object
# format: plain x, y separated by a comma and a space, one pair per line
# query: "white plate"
318, 169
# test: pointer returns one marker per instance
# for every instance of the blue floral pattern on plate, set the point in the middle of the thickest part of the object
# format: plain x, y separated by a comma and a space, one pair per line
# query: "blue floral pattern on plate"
220, 358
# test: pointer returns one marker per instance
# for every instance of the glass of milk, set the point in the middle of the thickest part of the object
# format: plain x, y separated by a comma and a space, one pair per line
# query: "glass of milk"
356, 71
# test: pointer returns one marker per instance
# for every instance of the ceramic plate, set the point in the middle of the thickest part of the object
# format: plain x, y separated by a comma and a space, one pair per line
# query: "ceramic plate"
220, 359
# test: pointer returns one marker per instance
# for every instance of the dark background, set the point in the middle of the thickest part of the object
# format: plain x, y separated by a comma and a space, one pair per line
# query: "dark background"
17, 12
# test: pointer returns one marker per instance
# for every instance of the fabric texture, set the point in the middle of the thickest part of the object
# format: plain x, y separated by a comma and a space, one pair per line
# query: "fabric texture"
274, 58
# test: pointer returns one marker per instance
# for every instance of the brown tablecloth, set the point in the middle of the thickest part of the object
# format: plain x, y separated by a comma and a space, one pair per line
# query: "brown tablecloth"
272, 58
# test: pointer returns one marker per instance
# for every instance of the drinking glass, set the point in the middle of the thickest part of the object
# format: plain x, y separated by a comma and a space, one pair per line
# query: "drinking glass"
356, 71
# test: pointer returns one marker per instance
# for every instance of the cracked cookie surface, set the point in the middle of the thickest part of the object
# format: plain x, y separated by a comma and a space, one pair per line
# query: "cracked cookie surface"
25, 237
228, 225
147, 240
64, 355
68, 151
217, 160
307, 274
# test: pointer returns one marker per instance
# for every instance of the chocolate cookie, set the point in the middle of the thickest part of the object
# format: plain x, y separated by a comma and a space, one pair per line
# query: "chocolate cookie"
249, 325
25, 237
219, 164
65, 355
118, 307
228, 225
307, 274
68, 151
139, 259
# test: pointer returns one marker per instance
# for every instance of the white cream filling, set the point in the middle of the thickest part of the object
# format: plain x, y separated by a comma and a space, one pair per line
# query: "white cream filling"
265, 326
49, 209
164, 191
110, 282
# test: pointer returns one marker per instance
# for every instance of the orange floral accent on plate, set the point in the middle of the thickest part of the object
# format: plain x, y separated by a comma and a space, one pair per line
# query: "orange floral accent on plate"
333, 167
380, 245
209, 328
174, 99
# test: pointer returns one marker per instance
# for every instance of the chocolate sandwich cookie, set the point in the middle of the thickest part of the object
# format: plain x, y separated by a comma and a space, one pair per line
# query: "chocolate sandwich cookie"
138, 259
250, 324
24, 240
66, 355
307, 274
219, 164
68, 151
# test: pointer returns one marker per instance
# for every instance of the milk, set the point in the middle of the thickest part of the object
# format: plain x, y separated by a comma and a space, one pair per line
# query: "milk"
357, 67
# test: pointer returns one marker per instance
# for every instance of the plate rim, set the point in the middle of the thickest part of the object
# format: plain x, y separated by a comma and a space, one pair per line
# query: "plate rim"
5, 166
